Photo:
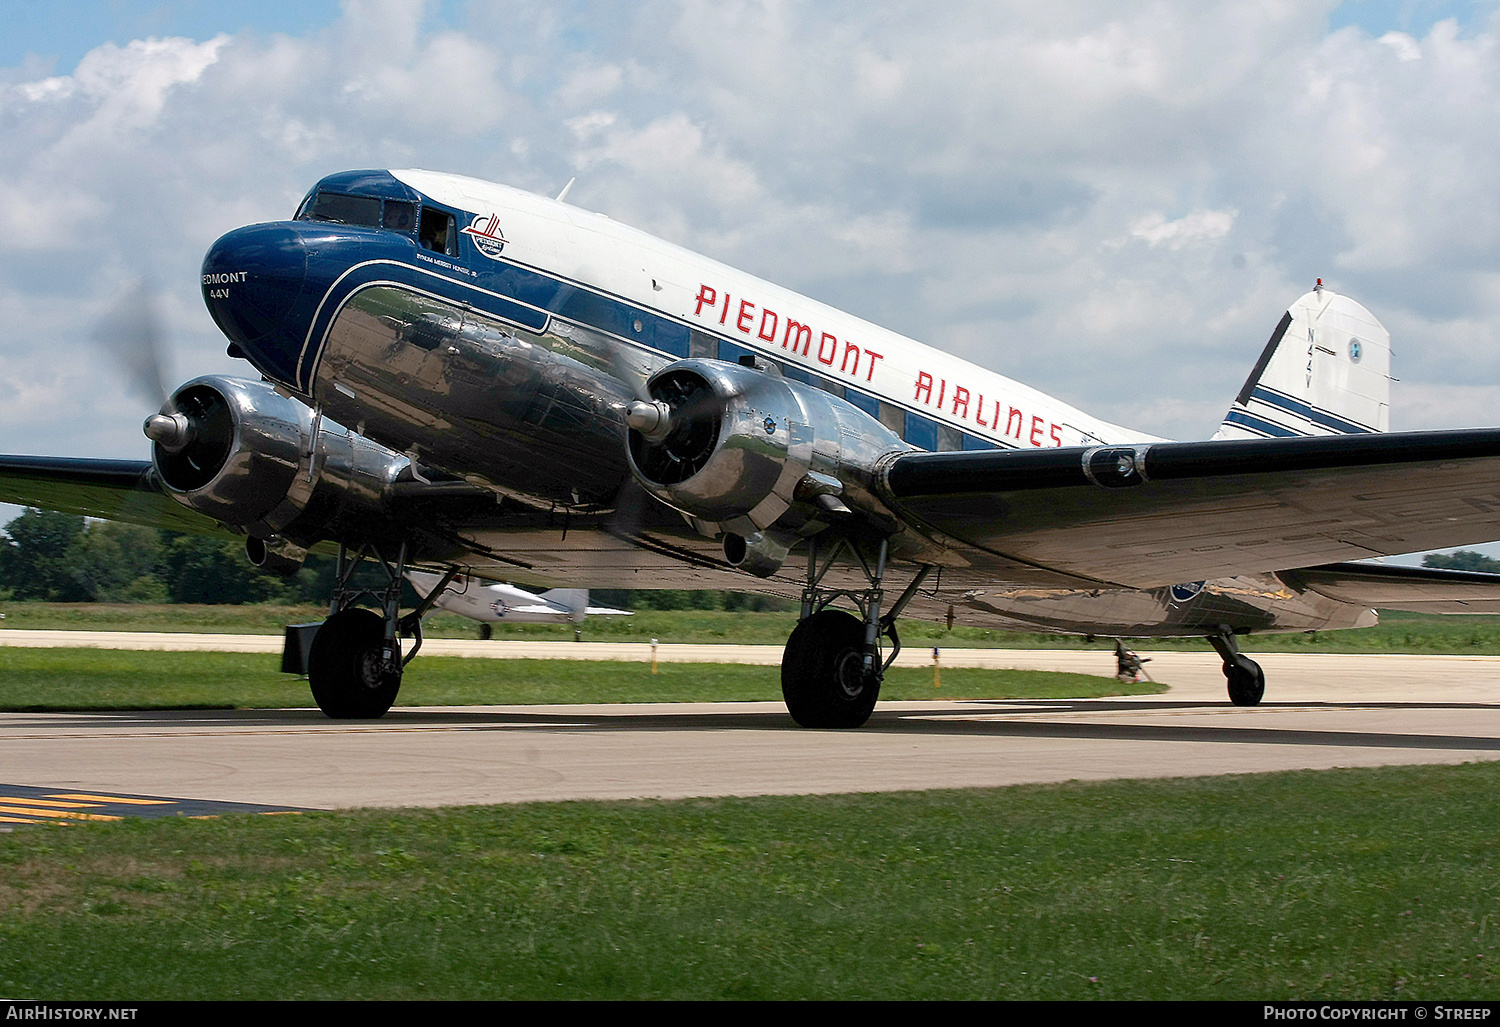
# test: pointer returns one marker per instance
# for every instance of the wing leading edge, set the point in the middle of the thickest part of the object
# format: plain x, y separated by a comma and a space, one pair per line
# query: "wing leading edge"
1151, 515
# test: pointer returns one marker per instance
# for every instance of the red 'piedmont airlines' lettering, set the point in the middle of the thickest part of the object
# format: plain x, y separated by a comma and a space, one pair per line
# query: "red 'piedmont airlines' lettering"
968, 406
769, 327
772, 328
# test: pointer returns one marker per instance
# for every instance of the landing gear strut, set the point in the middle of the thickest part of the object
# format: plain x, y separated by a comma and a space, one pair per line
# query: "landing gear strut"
832, 669
355, 663
1247, 682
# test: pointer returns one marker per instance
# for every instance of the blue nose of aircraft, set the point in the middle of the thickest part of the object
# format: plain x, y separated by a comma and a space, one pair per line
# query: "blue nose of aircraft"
255, 286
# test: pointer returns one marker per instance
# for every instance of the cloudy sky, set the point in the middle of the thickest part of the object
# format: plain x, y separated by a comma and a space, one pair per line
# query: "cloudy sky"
1111, 202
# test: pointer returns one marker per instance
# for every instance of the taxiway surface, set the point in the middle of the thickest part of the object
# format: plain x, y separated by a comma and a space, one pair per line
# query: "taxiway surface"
1321, 711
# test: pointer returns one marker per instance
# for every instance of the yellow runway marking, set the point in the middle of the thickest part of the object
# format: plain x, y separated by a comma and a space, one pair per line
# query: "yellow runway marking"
111, 798
56, 813
24, 804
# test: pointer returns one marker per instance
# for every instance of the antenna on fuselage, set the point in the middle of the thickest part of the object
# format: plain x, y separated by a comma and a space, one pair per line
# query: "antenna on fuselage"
562, 197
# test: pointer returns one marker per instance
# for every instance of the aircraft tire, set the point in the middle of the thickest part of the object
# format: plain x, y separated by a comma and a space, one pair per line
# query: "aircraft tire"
350, 680
822, 675
1247, 682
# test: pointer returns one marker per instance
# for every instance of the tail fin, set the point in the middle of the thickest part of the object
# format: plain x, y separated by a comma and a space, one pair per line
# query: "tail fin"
574, 600
1326, 371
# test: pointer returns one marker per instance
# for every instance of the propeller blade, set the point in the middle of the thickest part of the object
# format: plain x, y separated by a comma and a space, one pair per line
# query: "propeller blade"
131, 333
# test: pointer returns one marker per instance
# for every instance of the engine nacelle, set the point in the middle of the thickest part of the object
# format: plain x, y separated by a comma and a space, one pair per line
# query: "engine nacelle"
737, 448
247, 456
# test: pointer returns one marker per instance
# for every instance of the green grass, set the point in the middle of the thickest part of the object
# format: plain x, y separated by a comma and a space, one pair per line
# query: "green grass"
93, 679
1370, 884
1398, 632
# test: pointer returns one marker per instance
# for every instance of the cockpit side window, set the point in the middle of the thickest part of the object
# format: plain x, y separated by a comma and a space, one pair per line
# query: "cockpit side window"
400, 216
436, 232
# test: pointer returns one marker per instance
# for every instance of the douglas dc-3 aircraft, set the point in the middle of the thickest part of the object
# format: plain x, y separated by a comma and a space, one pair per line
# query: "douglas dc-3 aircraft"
465, 378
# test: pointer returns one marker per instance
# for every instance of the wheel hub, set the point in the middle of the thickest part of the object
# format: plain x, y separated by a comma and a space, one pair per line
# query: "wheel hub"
371, 668
849, 672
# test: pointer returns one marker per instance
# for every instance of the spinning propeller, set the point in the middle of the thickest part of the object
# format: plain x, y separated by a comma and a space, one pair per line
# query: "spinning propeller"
131, 334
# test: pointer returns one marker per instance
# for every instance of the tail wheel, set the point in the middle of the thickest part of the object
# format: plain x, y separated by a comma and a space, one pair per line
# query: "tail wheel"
350, 675
823, 679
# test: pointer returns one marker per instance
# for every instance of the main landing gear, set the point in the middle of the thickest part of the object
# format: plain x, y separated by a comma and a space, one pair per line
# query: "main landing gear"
355, 663
1247, 682
831, 669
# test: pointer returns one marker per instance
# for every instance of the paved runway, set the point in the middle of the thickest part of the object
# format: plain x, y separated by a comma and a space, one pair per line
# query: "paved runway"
1321, 711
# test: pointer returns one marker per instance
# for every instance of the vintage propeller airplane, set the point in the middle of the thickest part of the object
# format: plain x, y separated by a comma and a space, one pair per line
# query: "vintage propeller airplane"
492, 603
465, 378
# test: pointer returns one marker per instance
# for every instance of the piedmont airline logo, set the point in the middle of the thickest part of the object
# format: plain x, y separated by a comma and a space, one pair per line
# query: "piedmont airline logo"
485, 231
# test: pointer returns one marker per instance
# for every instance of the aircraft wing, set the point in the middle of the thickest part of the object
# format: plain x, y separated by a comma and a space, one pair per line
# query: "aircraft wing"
1165, 513
1135, 517
117, 490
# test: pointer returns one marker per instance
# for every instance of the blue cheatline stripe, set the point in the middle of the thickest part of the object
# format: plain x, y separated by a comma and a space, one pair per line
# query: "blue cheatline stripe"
1317, 415
1260, 425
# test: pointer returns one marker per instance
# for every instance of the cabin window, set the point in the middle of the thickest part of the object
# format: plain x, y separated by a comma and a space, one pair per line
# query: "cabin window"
436, 232
701, 344
922, 432
893, 417
869, 404
731, 353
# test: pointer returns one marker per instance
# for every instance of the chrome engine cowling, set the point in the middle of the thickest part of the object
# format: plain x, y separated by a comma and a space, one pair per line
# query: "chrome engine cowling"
745, 452
266, 464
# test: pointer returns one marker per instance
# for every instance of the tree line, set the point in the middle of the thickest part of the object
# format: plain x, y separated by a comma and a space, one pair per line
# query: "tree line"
1463, 560
65, 558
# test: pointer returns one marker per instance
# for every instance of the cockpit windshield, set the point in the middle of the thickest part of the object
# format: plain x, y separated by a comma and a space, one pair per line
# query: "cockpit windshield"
369, 211
368, 199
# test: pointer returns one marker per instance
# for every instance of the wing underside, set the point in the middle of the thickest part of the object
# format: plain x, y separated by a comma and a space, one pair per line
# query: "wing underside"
1122, 518
1149, 516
